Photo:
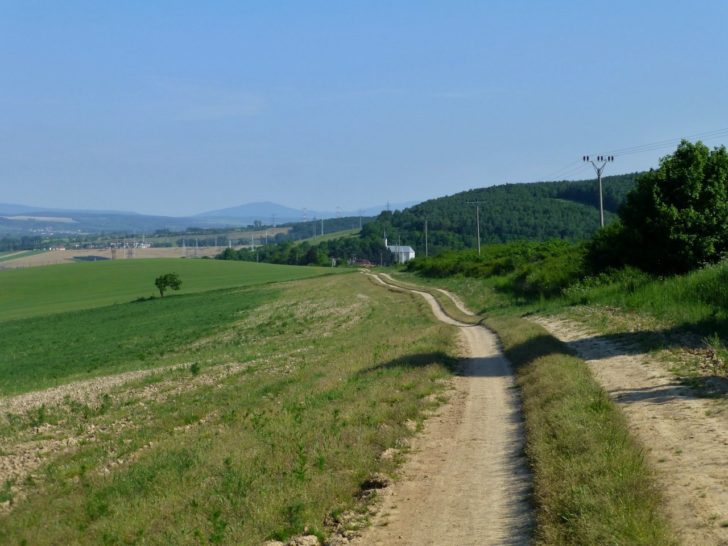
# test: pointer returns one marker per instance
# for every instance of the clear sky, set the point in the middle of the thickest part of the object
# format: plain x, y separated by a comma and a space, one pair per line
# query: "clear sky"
180, 107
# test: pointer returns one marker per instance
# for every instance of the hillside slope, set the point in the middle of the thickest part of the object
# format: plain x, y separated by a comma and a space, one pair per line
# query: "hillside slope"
537, 211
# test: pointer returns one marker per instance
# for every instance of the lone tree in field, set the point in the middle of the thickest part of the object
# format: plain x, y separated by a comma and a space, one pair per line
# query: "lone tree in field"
676, 219
168, 280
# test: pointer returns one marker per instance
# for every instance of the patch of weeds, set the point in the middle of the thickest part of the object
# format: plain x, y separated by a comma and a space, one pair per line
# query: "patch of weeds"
219, 525
96, 507
14, 420
38, 416
320, 462
105, 404
195, 368
716, 355
293, 514
6, 493
234, 484
300, 469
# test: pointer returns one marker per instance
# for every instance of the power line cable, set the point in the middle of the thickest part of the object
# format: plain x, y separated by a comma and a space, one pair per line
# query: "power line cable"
568, 167
660, 144
576, 166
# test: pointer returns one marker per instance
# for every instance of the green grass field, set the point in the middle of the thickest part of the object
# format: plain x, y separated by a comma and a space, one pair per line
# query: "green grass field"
290, 395
46, 351
68, 287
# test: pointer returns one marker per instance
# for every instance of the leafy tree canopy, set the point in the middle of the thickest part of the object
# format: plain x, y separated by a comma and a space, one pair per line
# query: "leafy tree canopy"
168, 280
676, 219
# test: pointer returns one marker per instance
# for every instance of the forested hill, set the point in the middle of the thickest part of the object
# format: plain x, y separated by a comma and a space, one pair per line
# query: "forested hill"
536, 211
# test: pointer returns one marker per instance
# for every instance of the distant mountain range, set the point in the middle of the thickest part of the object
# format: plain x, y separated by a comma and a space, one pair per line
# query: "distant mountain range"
539, 210
17, 219
273, 213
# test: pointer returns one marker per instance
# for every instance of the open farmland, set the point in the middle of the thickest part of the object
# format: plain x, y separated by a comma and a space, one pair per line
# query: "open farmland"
35, 258
67, 287
16, 255
268, 409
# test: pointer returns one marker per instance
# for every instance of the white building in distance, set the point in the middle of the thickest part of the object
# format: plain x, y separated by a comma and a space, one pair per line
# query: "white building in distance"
402, 254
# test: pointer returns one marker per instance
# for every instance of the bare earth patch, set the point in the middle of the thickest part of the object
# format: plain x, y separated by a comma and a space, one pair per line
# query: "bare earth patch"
685, 436
465, 481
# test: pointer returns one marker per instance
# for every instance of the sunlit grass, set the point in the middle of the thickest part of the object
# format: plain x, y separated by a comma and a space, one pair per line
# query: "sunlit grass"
67, 287
333, 370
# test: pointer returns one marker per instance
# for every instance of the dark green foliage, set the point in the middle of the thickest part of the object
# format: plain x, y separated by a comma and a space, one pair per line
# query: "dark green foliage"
343, 249
676, 219
168, 280
537, 211
529, 269
24, 242
609, 249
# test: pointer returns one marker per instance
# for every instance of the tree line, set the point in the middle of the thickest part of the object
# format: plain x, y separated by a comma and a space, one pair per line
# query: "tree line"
674, 220
536, 211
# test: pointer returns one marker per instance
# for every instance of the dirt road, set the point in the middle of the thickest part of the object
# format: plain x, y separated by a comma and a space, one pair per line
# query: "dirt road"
466, 481
686, 436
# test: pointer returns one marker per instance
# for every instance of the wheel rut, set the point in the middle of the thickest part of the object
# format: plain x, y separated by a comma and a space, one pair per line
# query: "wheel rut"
466, 480
685, 435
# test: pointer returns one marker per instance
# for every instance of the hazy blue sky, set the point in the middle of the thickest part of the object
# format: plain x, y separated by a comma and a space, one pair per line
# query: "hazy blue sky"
180, 107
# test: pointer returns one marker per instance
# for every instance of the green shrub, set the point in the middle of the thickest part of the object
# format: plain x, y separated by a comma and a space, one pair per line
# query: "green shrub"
523, 268
675, 220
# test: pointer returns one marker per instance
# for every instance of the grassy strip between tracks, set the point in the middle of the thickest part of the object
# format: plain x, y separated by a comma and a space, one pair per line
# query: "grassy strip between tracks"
591, 482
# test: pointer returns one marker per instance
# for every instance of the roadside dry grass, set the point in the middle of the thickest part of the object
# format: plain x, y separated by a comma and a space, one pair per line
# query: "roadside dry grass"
271, 427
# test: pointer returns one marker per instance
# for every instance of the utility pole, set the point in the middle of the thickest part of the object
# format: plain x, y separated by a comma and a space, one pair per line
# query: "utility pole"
426, 250
603, 159
322, 226
477, 219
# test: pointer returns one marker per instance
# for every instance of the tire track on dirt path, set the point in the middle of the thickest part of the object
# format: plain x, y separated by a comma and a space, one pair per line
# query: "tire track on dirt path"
452, 297
466, 480
686, 437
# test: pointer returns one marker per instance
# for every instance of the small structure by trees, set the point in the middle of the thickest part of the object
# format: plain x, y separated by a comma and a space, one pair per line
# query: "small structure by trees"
166, 281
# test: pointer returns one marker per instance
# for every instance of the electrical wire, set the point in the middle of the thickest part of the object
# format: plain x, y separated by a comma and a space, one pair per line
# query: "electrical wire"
576, 166
668, 143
